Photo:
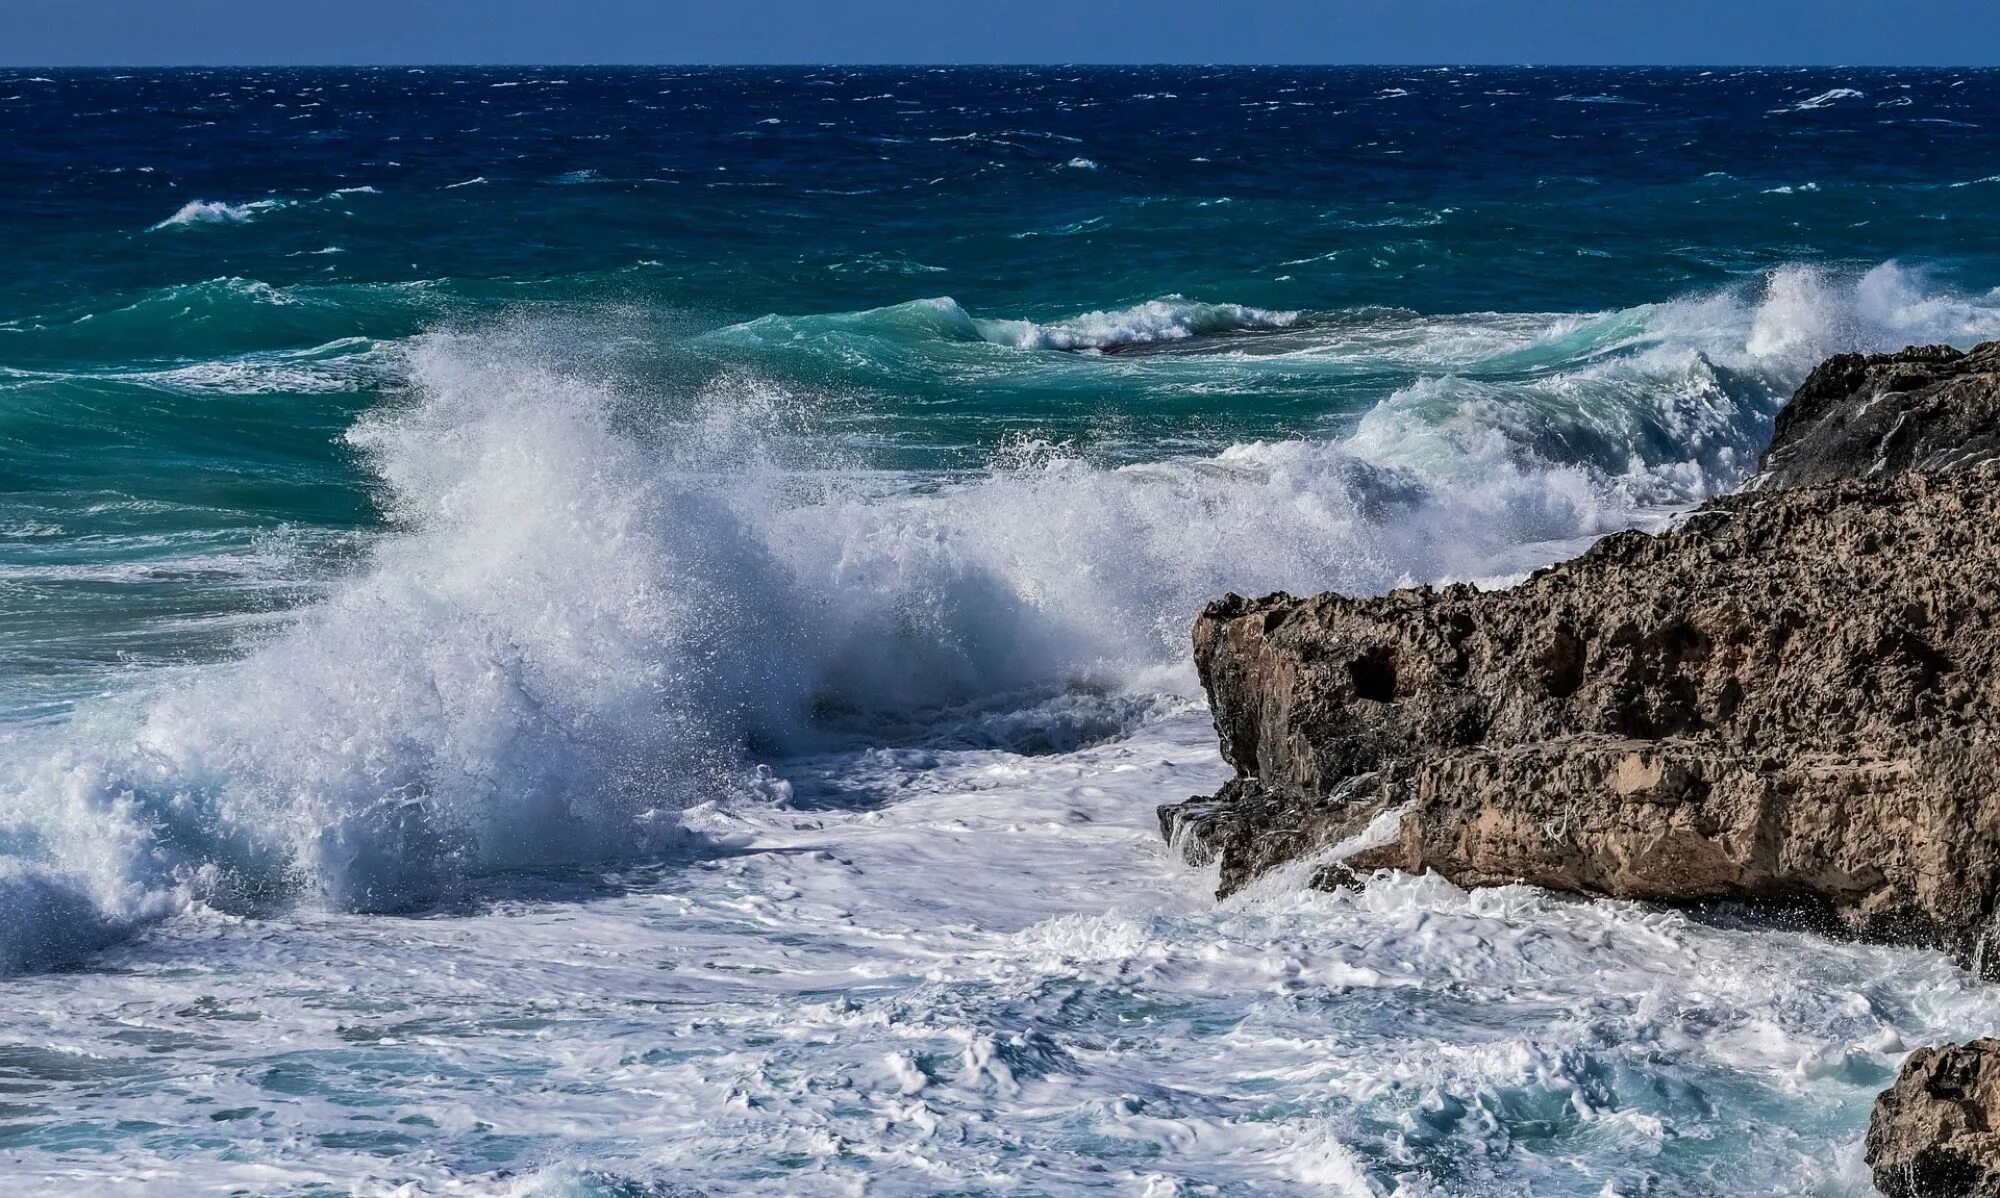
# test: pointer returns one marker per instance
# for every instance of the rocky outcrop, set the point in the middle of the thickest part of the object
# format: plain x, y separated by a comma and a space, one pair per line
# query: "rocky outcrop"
1791, 697
1930, 409
1932, 1134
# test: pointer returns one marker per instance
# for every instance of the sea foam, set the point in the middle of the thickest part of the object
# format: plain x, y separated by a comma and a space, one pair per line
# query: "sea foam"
1169, 318
597, 605
218, 212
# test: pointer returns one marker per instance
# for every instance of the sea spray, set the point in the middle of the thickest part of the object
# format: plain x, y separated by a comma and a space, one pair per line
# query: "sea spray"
775, 808
597, 604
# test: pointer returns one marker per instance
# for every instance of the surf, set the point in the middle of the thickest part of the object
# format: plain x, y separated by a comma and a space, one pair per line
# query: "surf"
594, 606
627, 688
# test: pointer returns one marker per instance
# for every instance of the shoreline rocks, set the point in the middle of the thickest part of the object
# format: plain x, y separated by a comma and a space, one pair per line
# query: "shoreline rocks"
1791, 698
1932, 1134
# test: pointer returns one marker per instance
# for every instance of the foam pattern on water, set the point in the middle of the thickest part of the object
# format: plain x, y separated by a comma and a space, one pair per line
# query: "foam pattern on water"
997, 981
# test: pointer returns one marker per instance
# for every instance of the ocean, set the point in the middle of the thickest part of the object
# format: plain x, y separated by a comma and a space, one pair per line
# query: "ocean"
619, 632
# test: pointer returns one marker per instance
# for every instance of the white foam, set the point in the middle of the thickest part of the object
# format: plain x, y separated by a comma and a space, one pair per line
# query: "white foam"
216, 212
998, 981
1171, 318
1825, 99
592, 601
577, 628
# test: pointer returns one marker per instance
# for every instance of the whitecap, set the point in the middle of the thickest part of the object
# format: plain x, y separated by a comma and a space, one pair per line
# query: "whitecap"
1171, 318
215, 212
1824, 99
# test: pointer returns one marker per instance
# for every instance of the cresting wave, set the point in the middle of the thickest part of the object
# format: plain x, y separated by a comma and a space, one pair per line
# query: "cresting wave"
1169, 318
1664, 404
215, 212
218, 212
596, 606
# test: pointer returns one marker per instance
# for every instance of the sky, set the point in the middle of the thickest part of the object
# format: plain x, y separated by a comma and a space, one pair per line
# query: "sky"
1693, 32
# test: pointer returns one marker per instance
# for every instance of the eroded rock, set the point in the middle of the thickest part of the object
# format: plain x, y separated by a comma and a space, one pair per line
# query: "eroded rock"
1932, 1134
1790, 698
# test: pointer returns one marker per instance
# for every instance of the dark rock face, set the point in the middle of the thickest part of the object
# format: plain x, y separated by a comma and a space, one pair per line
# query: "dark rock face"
1932, 1134
1790, 698
1931, 409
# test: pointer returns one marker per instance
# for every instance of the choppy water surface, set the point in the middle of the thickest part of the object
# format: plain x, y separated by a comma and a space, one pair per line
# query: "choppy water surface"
619, 632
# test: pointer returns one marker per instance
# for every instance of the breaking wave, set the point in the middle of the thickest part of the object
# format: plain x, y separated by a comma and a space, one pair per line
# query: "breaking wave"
195, 213
216, 212
1170, 318
596, 604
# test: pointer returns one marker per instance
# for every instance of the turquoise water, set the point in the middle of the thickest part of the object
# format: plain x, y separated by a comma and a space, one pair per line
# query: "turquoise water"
600, 629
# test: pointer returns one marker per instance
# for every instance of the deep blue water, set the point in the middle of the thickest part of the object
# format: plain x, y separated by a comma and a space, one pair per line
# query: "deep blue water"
288, 228
413, 477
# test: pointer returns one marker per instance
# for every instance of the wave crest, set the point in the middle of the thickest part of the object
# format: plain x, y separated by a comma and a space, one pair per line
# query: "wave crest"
1170, 318
578, 628
216, 212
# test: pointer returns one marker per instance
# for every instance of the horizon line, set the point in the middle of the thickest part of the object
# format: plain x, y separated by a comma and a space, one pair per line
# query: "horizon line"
995, 66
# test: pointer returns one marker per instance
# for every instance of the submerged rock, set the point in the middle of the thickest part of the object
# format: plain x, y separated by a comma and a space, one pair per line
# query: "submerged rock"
1790, 698
1932, 1134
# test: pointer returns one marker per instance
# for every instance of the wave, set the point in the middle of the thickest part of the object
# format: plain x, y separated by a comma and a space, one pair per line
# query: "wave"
1169, 318
195, 213
1665, 404
576, 630
1824, 99
1778, 325
345, 364
215, 212
597, 604
221, 318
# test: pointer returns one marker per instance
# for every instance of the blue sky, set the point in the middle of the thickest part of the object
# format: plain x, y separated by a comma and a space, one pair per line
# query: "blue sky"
1704, 32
